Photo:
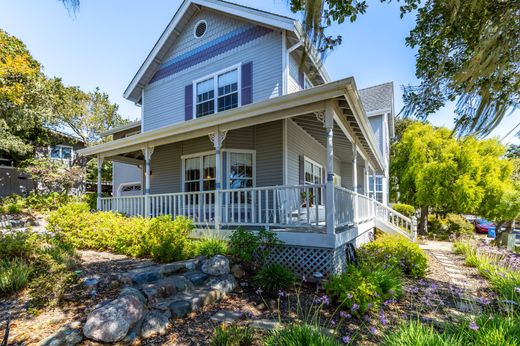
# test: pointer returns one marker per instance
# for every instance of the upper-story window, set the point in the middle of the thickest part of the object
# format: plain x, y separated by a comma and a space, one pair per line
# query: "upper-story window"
217, 93
61, 152
307, 84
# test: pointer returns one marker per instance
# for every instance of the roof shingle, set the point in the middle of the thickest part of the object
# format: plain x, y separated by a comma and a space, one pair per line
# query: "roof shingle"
378, 98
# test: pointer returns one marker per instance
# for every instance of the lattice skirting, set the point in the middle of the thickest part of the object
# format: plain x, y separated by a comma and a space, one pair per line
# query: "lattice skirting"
309, 260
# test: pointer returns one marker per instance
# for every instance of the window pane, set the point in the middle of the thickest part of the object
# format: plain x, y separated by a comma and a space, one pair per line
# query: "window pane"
192, 186
66, 153
228, 102
55, 152
241, 170
209, 185
209, 167
205, 98
192, 169
228, 90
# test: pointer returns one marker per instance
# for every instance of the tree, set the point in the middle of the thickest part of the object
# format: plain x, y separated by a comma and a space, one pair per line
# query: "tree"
24, 107
468, 52
50, 175
437, 172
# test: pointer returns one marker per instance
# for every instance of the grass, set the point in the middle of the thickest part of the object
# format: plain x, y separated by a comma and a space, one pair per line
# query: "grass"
504, 281
300, 334
493, 329
14, 275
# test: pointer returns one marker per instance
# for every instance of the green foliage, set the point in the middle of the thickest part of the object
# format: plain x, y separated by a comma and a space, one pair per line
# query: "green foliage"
274, 277
161, 238
51, 175
24, 245
210, 247
492, 330
34, 202
365, 287
395, 251
452, 224
14, 275
405, 209
252, 248
232, 335
300, 334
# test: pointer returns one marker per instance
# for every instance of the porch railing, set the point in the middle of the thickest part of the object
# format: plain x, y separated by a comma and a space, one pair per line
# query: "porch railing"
404, 224
129, 205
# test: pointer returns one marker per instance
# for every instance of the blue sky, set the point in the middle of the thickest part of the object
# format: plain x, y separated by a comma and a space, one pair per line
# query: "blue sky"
107, 41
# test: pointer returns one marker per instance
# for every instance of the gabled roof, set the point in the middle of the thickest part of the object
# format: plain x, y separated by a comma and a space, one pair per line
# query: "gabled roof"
181, 18
132, 125
379, 100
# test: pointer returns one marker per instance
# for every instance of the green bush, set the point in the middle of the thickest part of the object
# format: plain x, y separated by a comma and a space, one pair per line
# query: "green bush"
274, 277
300, 334
405, 209
365, 287
253, 249
232, 335
37, 202
210, 247
14, 275
485, 330
161, 238
25, 245
395, 251
452, 224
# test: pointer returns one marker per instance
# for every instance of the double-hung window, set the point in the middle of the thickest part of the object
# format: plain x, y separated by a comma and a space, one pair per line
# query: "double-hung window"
217, 93
61, 152
199, 173
313, 174
379, 187
240, 170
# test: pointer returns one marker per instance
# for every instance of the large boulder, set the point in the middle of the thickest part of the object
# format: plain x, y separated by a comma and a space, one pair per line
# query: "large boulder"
216, 266
111, 322
155, 323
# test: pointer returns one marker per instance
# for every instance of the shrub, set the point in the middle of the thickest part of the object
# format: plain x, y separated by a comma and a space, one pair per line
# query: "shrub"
395, 251
363, 287
23, 245
14, 275
274, 277
300, 334
451, 225
161, 238
252, 249
232, 335
405, 209
210, 247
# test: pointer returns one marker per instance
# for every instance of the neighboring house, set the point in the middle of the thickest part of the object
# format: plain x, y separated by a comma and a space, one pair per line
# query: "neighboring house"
64, 149
236, 131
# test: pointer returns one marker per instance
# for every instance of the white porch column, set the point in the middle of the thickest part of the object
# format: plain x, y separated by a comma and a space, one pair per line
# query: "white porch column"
99, 182
217, 138
374, 190
148, 151
355, 181
328, 122
366, 180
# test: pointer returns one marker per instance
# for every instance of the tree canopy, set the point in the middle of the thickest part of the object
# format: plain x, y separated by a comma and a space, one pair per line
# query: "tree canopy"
435, 171
467, 51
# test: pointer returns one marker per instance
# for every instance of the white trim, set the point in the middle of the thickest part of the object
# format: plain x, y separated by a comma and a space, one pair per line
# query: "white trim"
306, 79
285, 152
215, 76
306, 158
61, 146
119, 188
228, 165
195, 29
285, 65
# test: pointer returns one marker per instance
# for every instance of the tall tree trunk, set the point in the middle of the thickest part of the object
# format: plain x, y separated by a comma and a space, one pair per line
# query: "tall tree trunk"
423, 221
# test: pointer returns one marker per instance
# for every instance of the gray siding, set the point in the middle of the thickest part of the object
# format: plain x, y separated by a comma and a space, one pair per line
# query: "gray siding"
124, 173
269, 154
293, 84
299, 143
163, 102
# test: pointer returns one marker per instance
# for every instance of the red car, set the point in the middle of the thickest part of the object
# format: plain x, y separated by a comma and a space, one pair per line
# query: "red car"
482, 226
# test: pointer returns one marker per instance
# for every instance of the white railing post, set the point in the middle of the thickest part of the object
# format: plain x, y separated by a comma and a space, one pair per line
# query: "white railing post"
148, 151
355, 181
414, 228
99, 189
328, 122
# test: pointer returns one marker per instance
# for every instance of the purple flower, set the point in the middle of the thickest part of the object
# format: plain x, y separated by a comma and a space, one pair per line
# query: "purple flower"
259, 290
349, 295
517, 289
346, 339
281, 293
344, 315
484, 301
369, 305
354, 307
373, 330
332, 323
382, 318
324, 299
392, 292
473, 325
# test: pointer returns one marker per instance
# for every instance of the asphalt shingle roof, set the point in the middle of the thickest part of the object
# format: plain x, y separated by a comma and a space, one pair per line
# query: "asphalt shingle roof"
378, 97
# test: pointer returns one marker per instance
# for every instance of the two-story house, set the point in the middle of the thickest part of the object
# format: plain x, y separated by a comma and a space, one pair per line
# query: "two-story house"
237, 130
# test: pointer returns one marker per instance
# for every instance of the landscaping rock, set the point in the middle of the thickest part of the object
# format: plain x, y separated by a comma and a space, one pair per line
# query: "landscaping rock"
197, 278
155, 323
133, 292
225, 316
238, 271
141, 278
224, 283
112, 322
166, 287
180, 308
67, 335
265, 324
216, 266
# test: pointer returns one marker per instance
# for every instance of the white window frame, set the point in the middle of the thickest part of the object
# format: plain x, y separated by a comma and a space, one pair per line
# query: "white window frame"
227, 168
61, 146
307, 80
311, 161
196, 26
214, 76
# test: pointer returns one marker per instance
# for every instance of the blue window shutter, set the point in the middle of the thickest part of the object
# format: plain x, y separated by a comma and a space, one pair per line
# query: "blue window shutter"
247, 83
188, 102
301, 80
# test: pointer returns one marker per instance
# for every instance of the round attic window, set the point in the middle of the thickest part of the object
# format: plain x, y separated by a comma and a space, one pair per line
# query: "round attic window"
200, 28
